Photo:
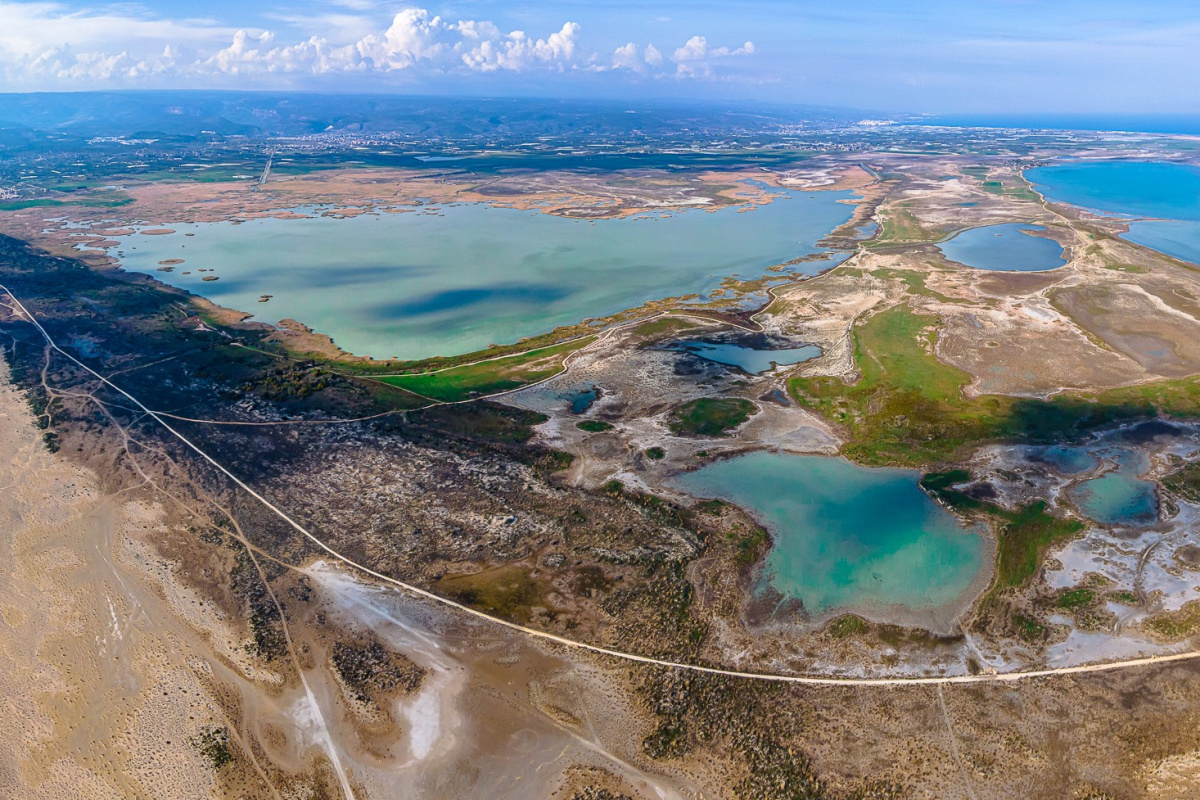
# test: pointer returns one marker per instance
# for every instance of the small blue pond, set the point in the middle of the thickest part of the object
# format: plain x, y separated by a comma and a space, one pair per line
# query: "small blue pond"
749, 359
581, 401
1008, 247
1118, 497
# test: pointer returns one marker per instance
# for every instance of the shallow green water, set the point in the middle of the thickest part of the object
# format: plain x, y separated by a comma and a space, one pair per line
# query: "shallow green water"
748, 359
848, 536
1004, 247
1118, 497
419, 284
1140, 189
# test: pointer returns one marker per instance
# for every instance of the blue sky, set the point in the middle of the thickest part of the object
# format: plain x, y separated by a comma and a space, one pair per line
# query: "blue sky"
932, 56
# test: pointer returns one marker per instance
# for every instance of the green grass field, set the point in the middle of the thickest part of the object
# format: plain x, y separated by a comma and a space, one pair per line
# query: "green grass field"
489, 377
1016, 188
914, 281
711, 416
662, 325
899, 225
908, 408
99, 201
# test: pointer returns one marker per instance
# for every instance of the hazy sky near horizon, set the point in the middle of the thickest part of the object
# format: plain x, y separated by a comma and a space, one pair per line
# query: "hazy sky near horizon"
935, 56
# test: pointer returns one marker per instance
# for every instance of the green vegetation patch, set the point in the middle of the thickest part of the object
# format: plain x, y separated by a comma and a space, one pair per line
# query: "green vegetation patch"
489, 377
509, 592
662, 326
1176, 624
914, 281
748, 546
655, 453
846, 626
213, 744
1023, 536
40, 202
487, 422
908, 408
1014, 189
1024, 539
1122, 267
1075, 598
593, 426
104, 200
938, 484
1028, 628
898, 224
1185, 483
711, 416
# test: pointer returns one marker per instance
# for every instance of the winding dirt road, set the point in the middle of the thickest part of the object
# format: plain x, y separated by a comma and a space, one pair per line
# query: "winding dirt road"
811, 680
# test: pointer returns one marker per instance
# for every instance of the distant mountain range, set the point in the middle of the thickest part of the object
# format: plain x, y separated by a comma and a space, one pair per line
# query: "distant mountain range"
198, 114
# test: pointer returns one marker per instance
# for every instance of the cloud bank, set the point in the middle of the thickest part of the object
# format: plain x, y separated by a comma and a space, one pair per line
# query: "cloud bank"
46, 45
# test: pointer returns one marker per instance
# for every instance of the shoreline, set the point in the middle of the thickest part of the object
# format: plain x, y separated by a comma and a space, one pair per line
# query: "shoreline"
304, 341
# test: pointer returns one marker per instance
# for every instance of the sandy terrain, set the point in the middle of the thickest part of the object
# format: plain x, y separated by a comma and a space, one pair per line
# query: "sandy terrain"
101, 698
116, 659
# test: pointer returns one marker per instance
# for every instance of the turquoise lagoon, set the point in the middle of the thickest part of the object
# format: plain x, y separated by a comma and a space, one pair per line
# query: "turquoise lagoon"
1004, 247
459, 277
1168, 192
1116, 497
1119, 497
847, 536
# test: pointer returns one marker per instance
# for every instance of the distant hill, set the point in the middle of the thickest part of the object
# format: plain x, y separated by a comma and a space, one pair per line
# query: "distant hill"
203, 114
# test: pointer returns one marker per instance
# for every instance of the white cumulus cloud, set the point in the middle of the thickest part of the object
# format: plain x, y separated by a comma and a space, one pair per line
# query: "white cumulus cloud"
641, 60
517, 51
48, 45
694, 59
414, 36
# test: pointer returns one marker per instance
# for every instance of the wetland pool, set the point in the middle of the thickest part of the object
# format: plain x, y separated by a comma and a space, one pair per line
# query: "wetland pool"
453, 279
849, 537
1006, 247
582, 400
1118, 497
753, 361
1168, 192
